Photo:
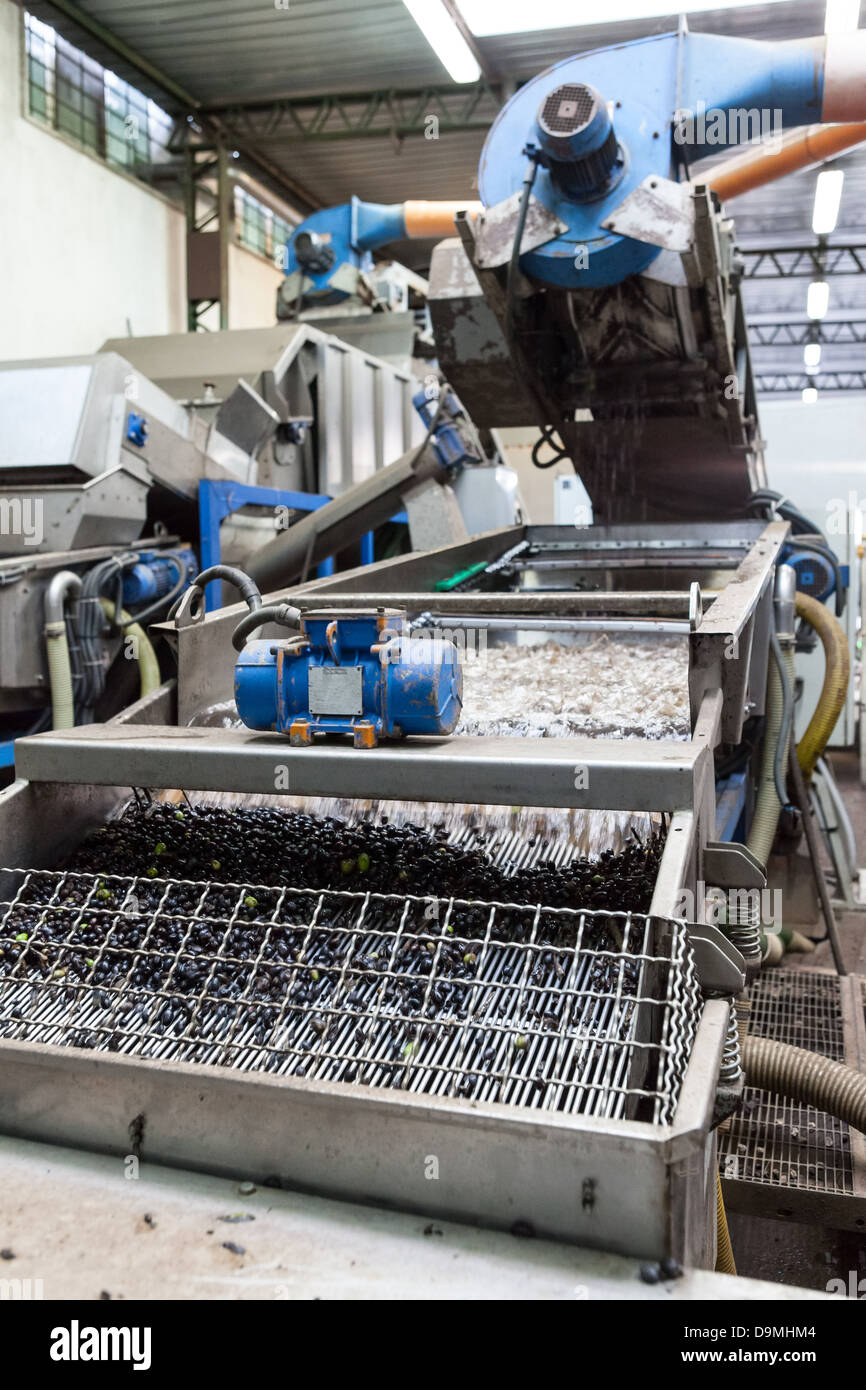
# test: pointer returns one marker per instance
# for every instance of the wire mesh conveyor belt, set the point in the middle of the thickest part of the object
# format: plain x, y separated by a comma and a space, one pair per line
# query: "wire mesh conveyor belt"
549, 1008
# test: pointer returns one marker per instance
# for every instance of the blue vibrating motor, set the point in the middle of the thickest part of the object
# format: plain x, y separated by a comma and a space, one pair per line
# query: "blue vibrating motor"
351, 673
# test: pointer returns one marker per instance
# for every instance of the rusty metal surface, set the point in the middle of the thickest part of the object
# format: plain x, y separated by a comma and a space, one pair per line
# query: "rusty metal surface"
658, 211
495, 228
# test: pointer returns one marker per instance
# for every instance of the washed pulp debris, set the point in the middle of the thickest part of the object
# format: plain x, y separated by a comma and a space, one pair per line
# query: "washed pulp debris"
603, 688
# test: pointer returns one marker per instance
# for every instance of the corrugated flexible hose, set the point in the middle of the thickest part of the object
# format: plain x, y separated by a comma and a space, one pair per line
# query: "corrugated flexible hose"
836, 675
768, 807
725, 1263
801, 1076
807, 1078
148, 663
59, 676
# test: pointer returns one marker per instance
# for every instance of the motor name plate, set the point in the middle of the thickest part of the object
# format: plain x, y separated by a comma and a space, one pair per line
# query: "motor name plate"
335, 690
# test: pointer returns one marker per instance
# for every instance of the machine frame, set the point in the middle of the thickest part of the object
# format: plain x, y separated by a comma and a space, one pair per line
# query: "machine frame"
650, 1185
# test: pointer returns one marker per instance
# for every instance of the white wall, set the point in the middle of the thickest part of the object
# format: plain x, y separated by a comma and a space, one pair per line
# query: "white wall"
253, 283
816, 455
82, 248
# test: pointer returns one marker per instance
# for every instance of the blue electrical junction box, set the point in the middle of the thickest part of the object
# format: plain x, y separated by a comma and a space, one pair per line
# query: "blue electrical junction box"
362, 674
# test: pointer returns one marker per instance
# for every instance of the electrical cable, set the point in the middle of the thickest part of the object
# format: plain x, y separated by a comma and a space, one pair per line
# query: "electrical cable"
776, 502
772, 504
512, 341
230, 574
846, 827
282, 613
89, 627
259, 614
801, 801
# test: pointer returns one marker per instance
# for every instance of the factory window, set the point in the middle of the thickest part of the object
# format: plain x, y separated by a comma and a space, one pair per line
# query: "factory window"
259, 228
91, 106
282, 231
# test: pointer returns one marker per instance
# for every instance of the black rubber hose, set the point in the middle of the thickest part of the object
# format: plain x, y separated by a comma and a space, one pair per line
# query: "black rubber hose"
774, 503
246, 587
777, 502
282, 613
806, 1077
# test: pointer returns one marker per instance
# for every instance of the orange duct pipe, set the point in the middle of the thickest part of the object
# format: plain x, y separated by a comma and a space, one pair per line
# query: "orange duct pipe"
434, 219
798, 150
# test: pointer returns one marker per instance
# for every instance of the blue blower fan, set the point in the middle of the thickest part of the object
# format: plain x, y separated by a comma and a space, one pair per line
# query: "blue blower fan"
814, 573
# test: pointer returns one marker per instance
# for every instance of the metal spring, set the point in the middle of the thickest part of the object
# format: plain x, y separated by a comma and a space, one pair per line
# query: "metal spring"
740, 920
731, 1068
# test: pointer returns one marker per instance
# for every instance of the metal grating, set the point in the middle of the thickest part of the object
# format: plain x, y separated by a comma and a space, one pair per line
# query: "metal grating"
568, 109
775, 1141
554, 1009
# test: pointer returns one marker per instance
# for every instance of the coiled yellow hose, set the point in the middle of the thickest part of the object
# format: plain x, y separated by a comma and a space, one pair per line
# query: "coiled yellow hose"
837, 672
725, 1263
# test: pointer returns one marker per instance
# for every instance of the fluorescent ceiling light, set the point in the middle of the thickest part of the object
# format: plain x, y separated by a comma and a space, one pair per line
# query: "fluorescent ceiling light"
812, 356
828, 196
810, 395
818, 299
486, 17
842, 16
445, 39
